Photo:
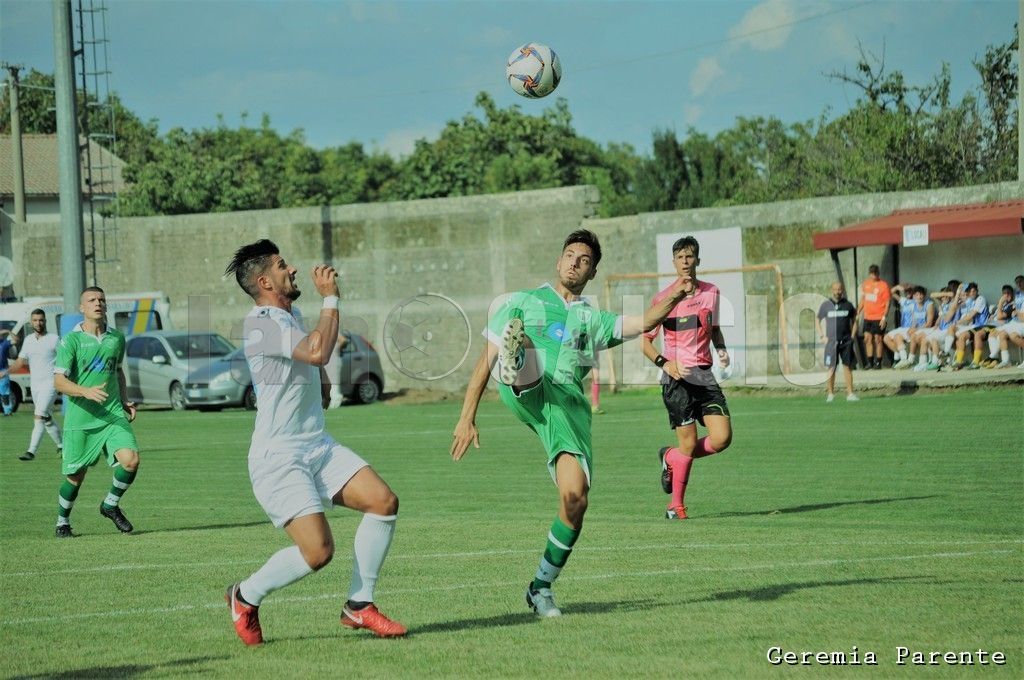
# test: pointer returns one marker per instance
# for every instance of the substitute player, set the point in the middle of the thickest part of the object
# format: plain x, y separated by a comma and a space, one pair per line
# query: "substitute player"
544, 341
297, 468
688, 388
88, 373
39, 351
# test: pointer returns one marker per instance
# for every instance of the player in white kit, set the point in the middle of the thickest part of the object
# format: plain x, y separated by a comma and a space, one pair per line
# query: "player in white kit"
39, 353
296, 467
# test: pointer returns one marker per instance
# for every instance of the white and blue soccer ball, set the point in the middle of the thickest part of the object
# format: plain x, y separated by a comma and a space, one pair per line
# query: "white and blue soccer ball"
533, 70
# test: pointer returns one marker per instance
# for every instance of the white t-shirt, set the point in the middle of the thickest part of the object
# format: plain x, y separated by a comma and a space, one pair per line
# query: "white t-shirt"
288, 398
41, 354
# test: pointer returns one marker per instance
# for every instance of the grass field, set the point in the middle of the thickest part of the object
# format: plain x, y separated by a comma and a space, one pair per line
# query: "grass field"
893, 522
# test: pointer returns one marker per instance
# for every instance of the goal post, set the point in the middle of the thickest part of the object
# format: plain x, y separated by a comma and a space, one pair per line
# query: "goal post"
631, 293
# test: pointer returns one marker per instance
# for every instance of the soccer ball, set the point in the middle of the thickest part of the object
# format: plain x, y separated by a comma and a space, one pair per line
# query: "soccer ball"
533, 70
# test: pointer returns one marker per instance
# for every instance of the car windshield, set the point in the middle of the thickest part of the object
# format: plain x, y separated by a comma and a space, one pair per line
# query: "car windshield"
199, 345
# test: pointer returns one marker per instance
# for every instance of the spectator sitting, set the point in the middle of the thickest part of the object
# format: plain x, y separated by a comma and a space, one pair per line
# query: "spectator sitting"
1013, 330
937, 337
922, 320
898, 338
970, 327
1001, 315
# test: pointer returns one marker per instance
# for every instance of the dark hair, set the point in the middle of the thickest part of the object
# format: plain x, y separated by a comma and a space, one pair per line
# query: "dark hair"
953, 284
37, 311
93, 289
686, 242
873, 269
587, 238
1007, 288
250, 261
919, 289
971, 286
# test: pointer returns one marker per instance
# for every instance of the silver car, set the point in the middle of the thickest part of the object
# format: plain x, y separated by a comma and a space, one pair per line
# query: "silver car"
157, 364
227, 381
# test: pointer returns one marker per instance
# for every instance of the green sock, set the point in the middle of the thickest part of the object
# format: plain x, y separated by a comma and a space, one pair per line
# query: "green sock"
122, 480
561, 539
65, 501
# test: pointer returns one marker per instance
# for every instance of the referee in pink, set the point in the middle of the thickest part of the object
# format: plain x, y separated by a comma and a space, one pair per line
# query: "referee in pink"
688, 387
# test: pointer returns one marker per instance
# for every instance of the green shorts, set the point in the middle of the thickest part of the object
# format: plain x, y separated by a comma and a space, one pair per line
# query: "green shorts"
560, 415
83, 448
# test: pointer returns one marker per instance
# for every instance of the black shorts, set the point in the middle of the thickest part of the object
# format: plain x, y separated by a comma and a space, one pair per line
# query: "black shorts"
836, 352
873, 327
687, 402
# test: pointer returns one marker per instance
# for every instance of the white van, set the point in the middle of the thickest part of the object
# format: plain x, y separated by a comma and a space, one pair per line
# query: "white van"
130, 313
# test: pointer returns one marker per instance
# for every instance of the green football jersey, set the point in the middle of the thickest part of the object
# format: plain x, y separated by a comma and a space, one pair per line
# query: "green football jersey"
91, 361
568, 335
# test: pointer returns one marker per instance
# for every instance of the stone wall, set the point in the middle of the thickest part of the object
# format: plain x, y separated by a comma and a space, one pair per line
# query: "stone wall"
418, 277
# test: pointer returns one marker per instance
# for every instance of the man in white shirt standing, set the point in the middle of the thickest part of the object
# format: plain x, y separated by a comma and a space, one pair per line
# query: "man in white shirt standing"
40, 354
296, 468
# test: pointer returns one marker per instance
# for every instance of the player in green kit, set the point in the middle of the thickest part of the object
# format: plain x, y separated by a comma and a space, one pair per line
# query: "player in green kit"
96, 420
544, 343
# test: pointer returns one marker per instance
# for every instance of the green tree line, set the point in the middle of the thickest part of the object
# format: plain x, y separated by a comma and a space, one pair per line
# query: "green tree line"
896, 136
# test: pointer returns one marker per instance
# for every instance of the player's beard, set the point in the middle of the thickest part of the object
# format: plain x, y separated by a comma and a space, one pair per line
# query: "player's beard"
293, 294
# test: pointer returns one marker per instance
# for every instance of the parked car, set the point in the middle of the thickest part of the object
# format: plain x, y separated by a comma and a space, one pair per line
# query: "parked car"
222, 382
157, 364
227, 381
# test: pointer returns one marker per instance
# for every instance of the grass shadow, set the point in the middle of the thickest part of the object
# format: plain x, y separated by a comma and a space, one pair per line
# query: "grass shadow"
774, 592
191, 665
814, 507
506, 620
202, 527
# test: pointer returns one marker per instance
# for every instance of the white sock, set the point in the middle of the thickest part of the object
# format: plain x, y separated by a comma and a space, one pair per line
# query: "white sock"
37, 436
372, 541
911, 358
284, 568
1004, 356
947, 343
54, 432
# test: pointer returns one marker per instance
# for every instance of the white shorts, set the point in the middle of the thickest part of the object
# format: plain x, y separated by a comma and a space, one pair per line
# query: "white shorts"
1010, 327
43, 395
963, 330
902, 330
936, 333
290, 482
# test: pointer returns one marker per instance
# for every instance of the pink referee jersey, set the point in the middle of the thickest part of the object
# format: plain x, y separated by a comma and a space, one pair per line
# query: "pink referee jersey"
688, 326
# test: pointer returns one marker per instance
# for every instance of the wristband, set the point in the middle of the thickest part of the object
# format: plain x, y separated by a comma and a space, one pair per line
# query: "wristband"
660, 361
331, 302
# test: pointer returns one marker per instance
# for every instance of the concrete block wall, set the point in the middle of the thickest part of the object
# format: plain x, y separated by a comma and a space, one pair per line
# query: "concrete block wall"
401, 263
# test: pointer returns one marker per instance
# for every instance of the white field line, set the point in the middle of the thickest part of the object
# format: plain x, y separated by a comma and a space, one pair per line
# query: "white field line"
477, 554
65, 617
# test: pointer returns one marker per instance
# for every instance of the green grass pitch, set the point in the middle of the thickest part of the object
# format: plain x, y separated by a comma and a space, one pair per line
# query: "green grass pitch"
892, 522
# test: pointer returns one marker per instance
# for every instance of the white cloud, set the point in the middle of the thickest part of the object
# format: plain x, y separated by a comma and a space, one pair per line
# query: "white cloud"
764, 27
704, 75
400, 143
692, 114
374, 11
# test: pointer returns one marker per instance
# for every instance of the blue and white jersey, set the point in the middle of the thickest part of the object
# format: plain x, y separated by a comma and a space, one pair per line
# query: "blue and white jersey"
943, 310
919, 314
1018, 300
907, 305
980, 305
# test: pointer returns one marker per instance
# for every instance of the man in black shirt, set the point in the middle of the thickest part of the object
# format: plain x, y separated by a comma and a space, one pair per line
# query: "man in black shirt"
835, 320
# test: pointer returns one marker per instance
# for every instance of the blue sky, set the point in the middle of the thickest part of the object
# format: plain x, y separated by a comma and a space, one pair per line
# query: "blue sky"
387, 73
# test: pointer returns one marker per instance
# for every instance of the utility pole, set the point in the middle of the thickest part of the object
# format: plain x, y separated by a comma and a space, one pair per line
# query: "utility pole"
72, 240
16, 148
1020, 91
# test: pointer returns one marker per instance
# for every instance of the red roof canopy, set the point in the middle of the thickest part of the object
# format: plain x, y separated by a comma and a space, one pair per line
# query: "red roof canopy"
945, 223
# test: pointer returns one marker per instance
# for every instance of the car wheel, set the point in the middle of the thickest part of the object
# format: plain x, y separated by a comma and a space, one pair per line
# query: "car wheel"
249, 399
177, 397
16, 397
368, 392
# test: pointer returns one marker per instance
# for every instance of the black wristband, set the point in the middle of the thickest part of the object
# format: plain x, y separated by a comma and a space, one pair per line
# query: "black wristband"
660, 361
